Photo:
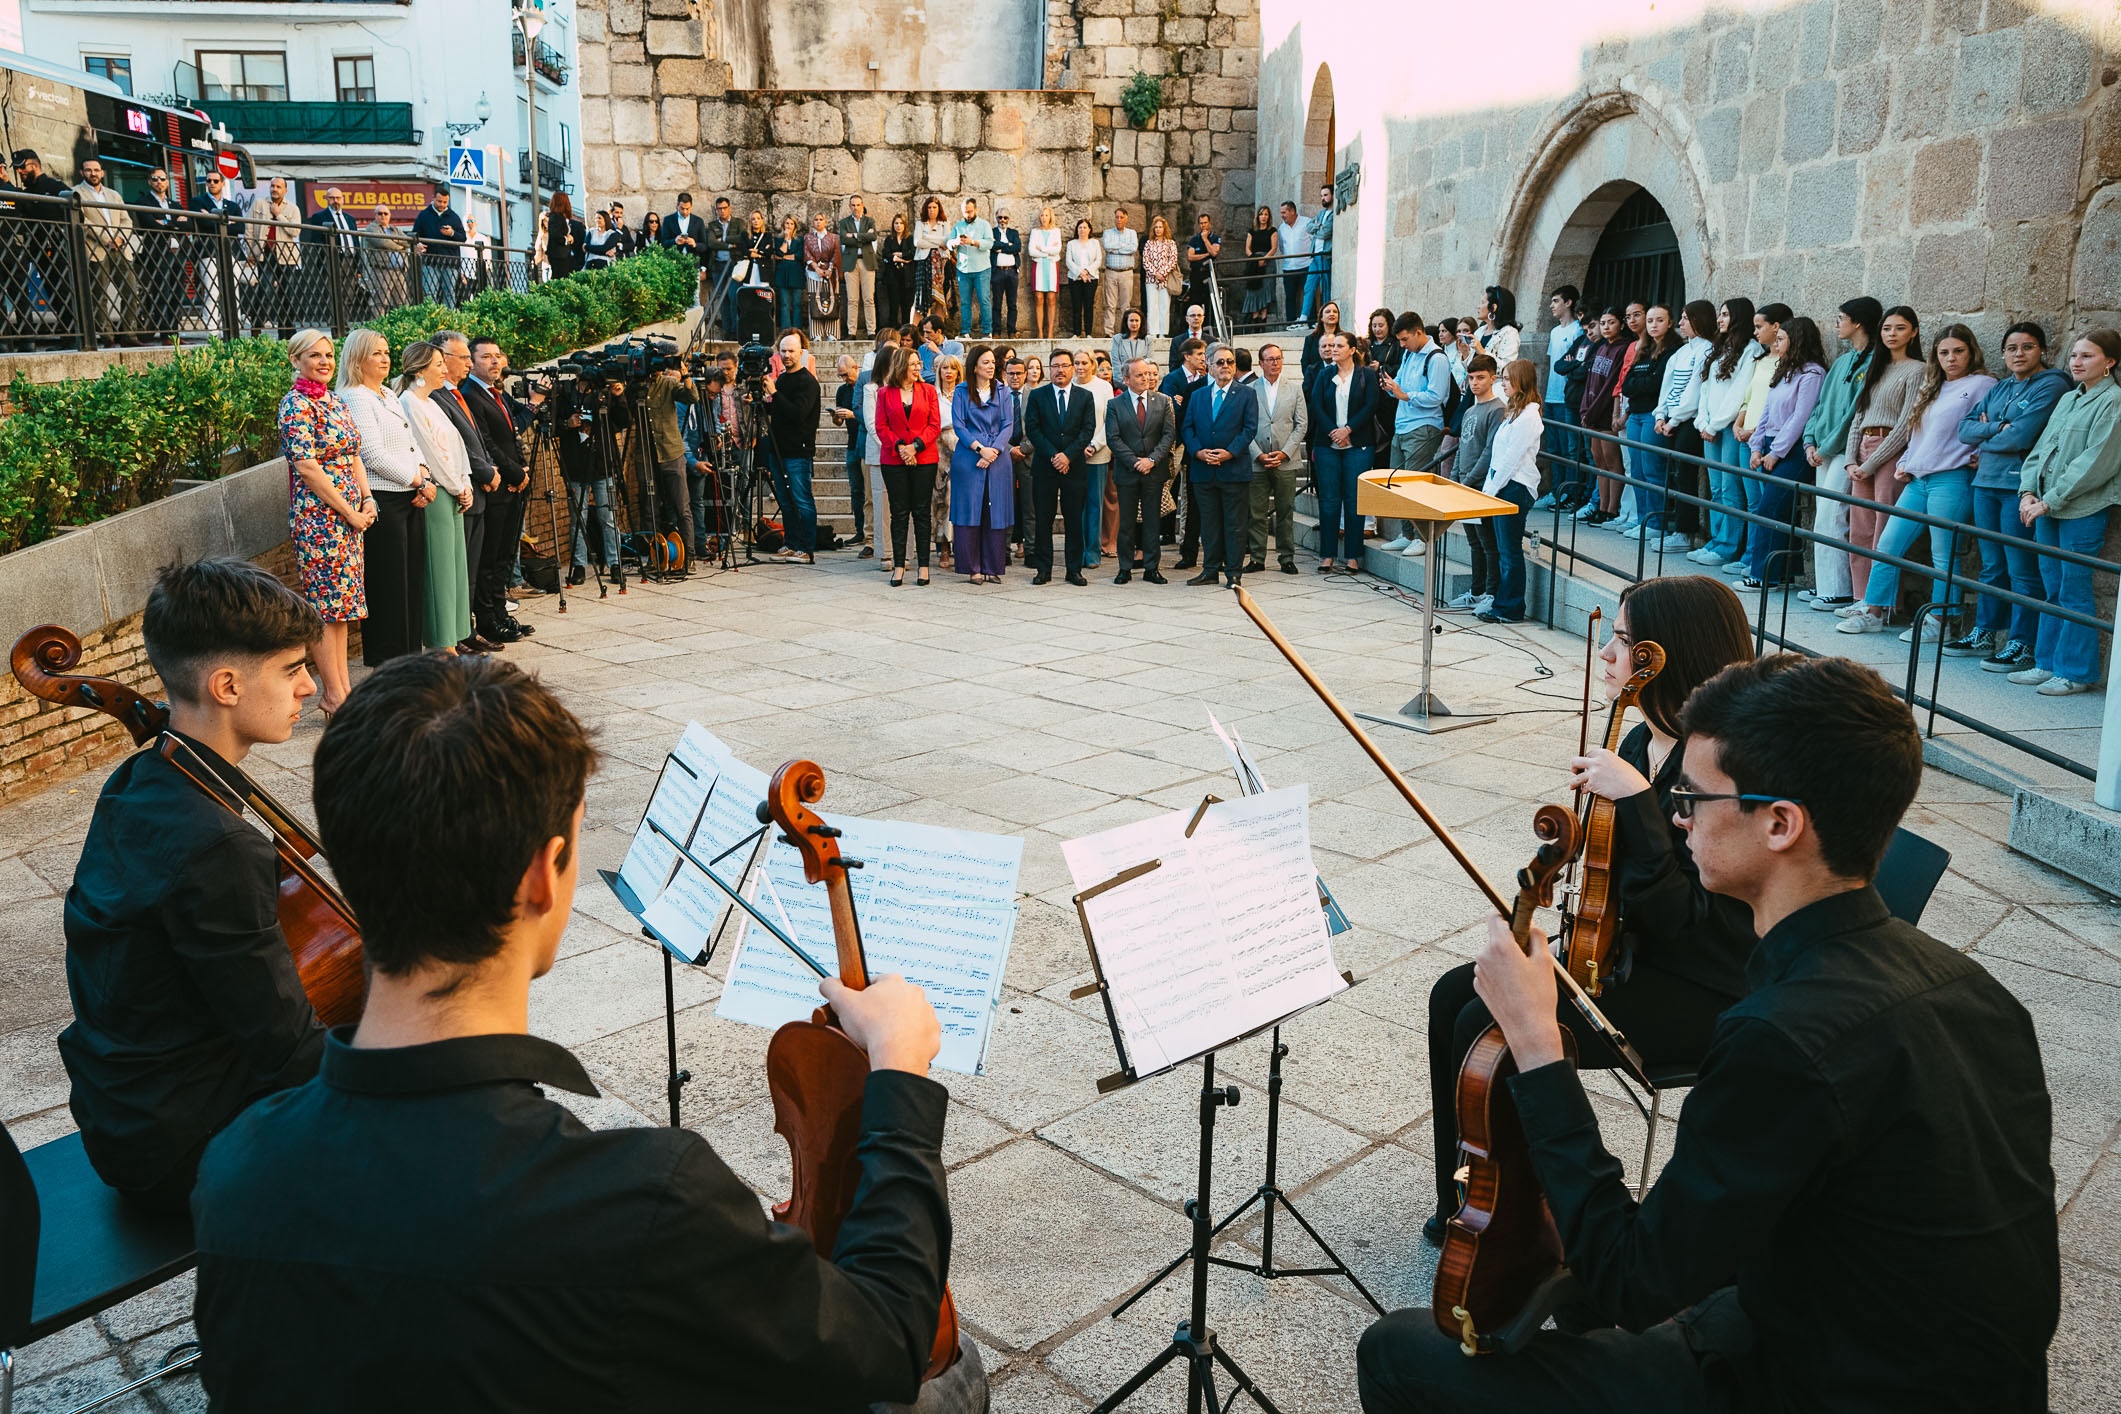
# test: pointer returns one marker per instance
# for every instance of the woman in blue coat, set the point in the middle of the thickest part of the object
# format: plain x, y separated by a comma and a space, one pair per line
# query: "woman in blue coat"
982, 477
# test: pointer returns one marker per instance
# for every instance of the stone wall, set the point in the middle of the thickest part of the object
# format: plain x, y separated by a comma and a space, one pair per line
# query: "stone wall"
1953, 155
660, 115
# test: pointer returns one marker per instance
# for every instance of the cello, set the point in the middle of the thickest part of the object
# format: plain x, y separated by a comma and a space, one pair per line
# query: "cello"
1502, 1257
1590, 924
814, 1070
317, 922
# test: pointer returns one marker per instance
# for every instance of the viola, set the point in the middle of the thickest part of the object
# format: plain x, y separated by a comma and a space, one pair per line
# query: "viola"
1501, 1252
1590, 924
814, 1070
317, 922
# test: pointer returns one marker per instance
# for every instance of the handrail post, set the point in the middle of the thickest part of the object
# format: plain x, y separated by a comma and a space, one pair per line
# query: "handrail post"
335, 298
79, 290
226, 250
2106, 788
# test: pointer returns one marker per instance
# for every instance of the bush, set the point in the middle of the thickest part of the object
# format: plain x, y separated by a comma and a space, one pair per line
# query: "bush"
77, 451
1143, 97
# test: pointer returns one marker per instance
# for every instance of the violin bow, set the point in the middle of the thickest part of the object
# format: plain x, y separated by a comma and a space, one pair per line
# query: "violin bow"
1609, 1033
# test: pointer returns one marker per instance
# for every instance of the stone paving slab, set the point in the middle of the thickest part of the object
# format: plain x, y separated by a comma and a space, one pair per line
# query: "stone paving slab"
1048, 713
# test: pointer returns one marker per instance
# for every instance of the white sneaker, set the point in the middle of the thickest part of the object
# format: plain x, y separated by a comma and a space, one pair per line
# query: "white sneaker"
1864, 620
1709, 557
2030, 677
1736, 566
2063, 687
1484, 603
1394, 545
1415, 549
1930, 632
1674, 541
1587, 510
1462, 601
1820, 604
1851, 609
1624, 526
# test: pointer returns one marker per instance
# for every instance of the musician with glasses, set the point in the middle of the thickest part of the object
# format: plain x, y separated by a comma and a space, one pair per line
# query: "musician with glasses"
186, 1002
1859, 1209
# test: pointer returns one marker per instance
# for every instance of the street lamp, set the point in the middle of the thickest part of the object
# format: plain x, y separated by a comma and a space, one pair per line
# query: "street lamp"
482, 112
530, 18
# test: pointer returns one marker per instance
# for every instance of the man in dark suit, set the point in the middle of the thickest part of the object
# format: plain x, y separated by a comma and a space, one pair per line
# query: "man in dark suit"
857, 233
456, 368
213, 252
1140, 426
162, 226
684, 231
1189, 372
1222, 421
501, 421
725, 243
1060, 419
1008, 262
331, 246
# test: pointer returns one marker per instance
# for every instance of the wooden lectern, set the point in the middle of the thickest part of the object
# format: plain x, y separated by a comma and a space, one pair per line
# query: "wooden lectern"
1432, 502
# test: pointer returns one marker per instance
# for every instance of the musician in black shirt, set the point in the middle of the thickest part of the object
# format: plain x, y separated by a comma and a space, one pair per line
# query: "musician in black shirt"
1681, 950
186, 1002
420, 1228
1859, 1210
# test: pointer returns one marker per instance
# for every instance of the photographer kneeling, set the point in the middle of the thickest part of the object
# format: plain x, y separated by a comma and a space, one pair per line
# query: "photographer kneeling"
792, 401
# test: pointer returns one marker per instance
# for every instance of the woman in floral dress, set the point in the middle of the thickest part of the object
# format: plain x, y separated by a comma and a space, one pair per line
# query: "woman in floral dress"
330, 508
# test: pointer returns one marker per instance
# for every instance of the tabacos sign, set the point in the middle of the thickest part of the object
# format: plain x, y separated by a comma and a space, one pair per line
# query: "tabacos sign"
362, 198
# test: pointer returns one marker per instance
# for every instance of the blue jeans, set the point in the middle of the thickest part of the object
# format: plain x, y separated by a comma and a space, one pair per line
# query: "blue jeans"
580, 496
1728, 488
1648, 466
2068, 650
1094, 474
1338, 470
1564, 448
974, 292
2009, 566
1315, 282
791, 486
1947, 495
1769, 496
787, 307
438, 276
1509, 553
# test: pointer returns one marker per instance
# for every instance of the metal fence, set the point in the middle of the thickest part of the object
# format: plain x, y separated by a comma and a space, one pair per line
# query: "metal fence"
1792, 531
86, 275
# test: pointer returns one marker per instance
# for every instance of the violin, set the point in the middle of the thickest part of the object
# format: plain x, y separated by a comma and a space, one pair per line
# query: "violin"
316, 920
814, 1070
1590, 925
1502, 1252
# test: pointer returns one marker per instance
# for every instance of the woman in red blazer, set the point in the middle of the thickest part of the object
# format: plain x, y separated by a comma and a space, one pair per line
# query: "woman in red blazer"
909, 425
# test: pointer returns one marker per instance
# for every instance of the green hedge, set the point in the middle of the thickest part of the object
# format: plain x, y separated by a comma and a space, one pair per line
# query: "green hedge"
77, 451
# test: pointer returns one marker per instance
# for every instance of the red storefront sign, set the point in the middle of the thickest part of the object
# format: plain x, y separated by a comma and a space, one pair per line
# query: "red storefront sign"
361, 198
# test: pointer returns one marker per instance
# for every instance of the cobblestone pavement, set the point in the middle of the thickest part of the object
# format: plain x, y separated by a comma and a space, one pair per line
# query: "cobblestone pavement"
1052, 713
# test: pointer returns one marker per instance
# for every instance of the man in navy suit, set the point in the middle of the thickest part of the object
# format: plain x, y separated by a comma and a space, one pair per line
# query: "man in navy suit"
1221, 421
1060, 420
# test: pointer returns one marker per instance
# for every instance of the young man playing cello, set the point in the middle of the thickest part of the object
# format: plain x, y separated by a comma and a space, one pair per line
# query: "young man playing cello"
1859, 1209
186, 1002
420, 1228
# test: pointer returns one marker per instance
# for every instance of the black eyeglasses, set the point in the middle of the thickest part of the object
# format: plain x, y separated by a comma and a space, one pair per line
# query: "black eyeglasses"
1684, 801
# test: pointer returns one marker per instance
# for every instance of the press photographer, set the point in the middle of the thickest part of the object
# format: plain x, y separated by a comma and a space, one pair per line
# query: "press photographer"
582, 430
655, 384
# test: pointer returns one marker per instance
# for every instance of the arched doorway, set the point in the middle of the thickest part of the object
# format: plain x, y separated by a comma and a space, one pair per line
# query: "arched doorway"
1320, 140
1637, 257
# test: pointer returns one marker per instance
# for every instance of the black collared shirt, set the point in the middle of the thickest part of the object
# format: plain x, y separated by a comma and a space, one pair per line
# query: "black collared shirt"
1668, 921
1865, 1157
421, 1228
186, 1001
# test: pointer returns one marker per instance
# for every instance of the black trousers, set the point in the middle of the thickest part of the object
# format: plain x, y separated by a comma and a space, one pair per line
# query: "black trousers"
673, 509
1139, 497
1189, 538
1048, 487
911, 492
1225, 513
497, 557
1691, 1364
1667, 1018
1021, 531
1004, 296
394, 551
1082, 303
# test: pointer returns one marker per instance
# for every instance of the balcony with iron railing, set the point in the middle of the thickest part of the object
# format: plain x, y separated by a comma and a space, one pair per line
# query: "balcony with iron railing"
352, 124
551, 62
552, 171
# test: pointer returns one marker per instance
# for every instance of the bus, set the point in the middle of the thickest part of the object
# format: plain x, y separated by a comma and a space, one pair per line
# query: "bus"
68, 116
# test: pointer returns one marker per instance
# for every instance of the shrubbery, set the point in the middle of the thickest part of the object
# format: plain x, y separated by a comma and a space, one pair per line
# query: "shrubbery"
74, 452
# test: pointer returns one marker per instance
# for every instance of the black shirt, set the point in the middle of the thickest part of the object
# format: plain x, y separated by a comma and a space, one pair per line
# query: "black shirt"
186, 1001
1668, 921
792, 411
421, 1228
1865, 1157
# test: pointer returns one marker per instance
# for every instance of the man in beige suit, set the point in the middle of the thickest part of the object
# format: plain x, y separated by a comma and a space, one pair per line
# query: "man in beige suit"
1279, 456
276, 247
107, 230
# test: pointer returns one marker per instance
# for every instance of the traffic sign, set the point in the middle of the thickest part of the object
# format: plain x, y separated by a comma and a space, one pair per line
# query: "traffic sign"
467, 166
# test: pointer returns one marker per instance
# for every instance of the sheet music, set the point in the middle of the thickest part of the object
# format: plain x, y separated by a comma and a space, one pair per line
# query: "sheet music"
681, 791
937, 906
1224, 937
1251, 782
690, 907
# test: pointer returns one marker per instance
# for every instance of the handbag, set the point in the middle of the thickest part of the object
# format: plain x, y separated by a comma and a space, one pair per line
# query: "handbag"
1174, 284
740, 273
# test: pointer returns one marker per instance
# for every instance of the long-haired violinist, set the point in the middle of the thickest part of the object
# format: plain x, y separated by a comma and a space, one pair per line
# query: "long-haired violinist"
1859, 1210
1681, 950
187, 1004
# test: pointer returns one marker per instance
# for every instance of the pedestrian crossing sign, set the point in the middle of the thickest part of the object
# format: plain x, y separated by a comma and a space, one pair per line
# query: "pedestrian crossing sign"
467, 167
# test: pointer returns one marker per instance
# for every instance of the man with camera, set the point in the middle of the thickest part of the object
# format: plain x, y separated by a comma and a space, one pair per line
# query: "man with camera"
656, 384
583, 437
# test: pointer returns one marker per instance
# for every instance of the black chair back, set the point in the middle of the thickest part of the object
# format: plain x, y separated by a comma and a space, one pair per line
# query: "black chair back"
1909, 873
20, 1221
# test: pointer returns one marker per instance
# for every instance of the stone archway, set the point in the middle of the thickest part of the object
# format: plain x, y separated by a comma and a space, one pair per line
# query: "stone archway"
1597, 151
1321, 141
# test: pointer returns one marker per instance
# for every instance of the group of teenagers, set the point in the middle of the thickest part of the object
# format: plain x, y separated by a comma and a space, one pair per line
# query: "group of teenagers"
1858, 1210
2020, 459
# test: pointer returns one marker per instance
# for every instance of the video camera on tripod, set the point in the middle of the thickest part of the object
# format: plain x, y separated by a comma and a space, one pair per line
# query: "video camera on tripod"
632, 361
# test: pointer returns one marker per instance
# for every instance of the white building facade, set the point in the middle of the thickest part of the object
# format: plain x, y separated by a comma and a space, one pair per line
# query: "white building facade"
368, 95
